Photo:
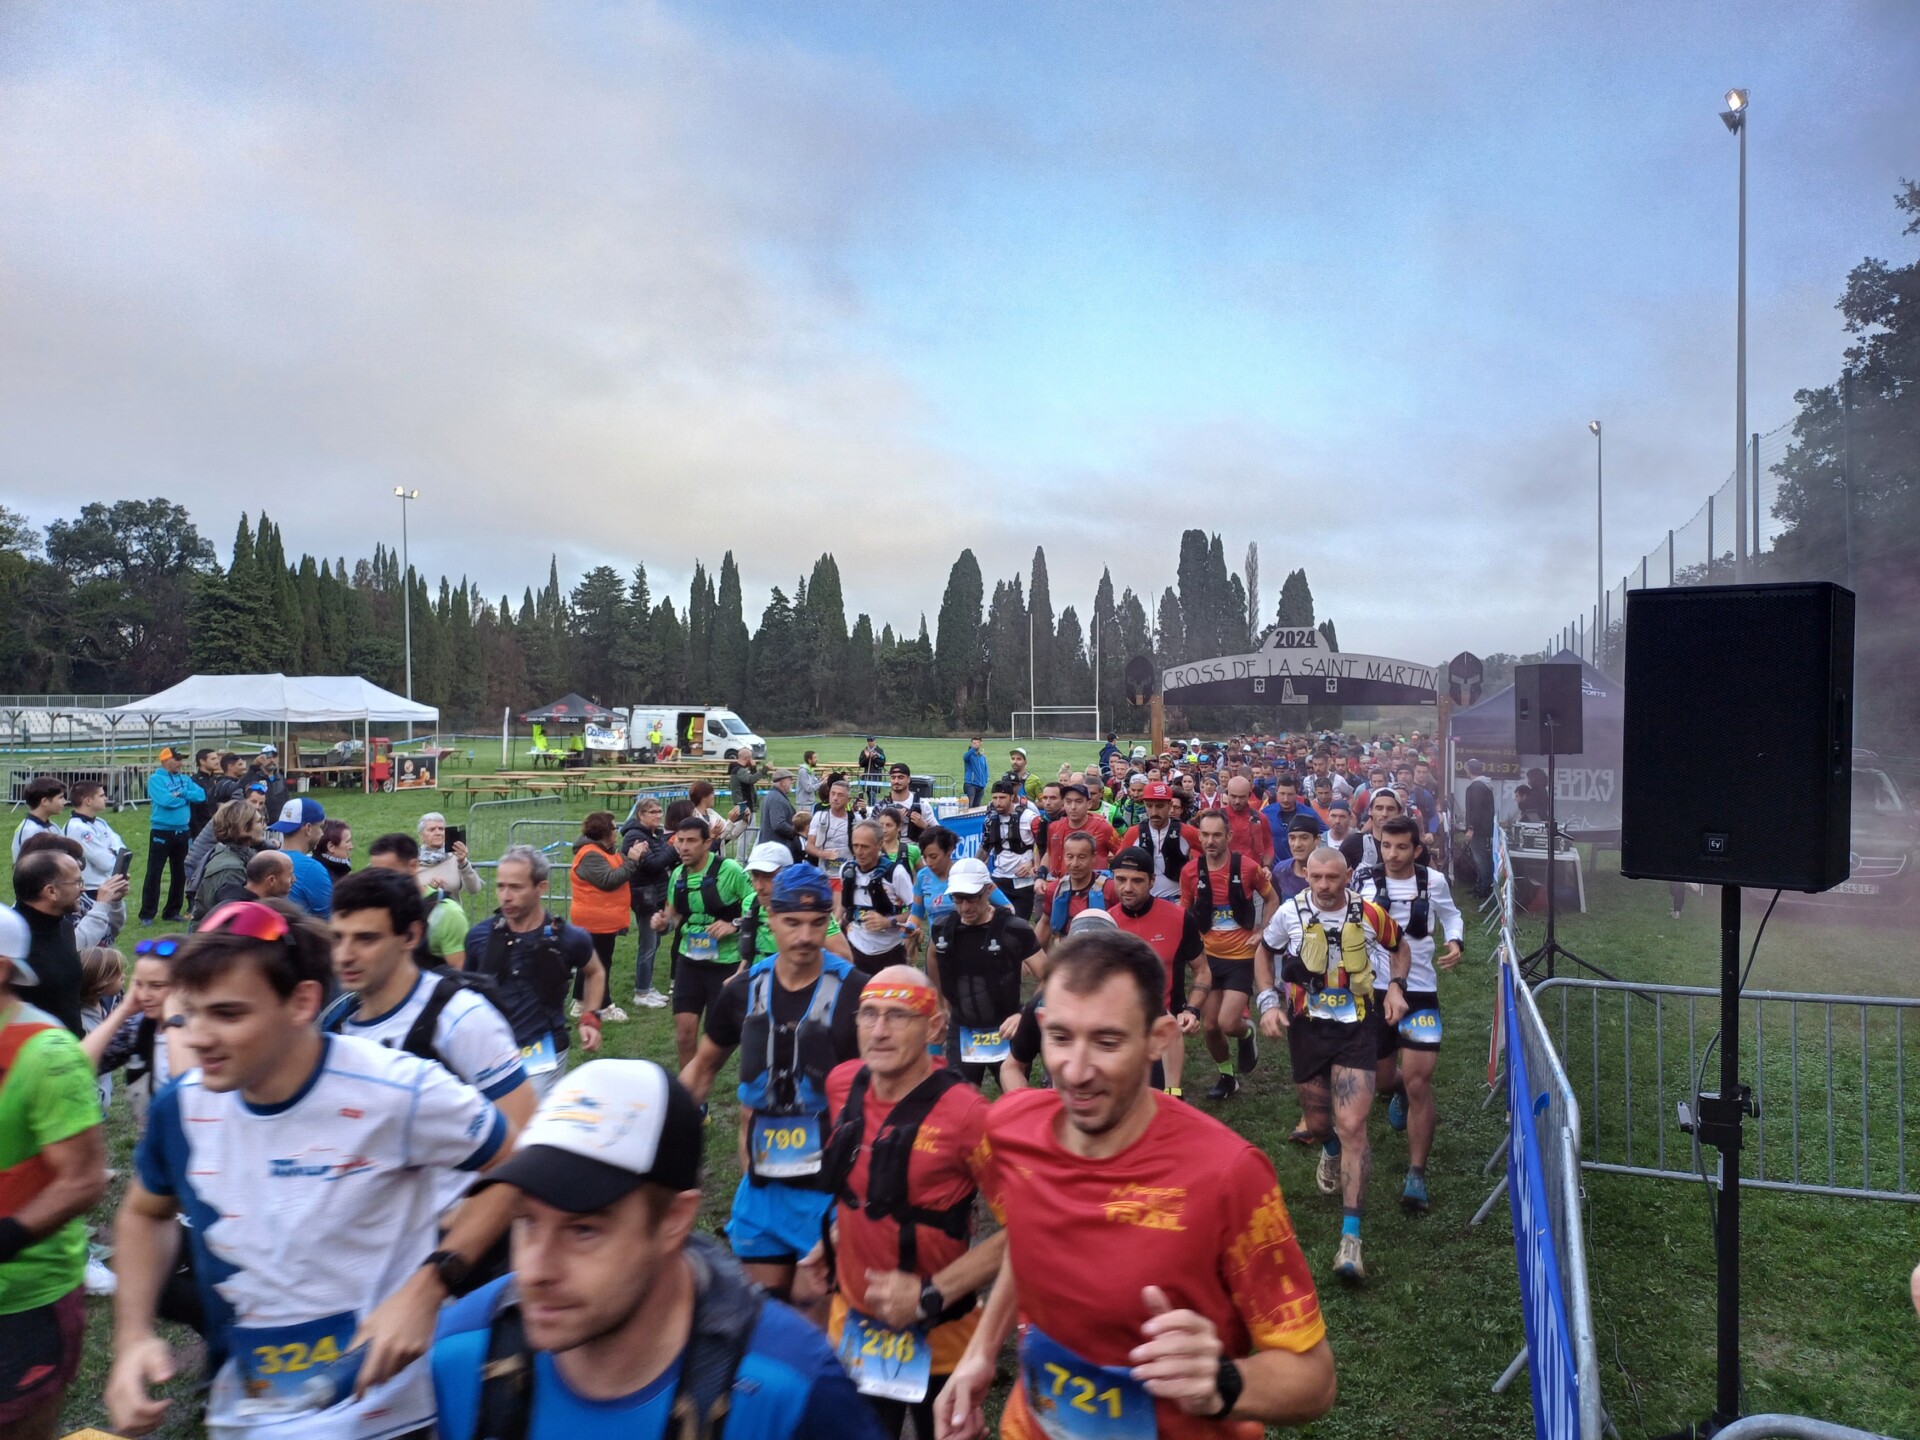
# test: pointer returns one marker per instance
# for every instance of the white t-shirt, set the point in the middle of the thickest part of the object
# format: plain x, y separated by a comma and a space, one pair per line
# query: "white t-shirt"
1165, 886
1007, 863
897, 883
828, 832
1287, 927
470, 1035
1443, 918
99, 846
316, 1210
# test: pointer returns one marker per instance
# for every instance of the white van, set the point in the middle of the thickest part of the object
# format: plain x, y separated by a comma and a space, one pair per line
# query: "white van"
695, 729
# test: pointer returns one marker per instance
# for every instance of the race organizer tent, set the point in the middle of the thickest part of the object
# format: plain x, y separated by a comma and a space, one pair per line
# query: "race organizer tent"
1589, 782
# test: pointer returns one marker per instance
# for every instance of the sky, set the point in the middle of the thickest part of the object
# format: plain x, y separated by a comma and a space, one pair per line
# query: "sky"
648, 282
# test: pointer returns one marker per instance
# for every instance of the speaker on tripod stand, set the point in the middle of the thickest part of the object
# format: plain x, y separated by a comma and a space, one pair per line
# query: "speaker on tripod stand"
1549, 720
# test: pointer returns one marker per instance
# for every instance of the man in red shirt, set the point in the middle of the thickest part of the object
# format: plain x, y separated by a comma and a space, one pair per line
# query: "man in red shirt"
1218, 888
1078, 815
1172, 935
1076, 886
908, 1133
1252, 836
1150, 1257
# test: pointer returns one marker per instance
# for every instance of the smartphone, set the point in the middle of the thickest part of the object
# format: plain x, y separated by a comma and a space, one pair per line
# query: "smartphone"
456, 835
122, 863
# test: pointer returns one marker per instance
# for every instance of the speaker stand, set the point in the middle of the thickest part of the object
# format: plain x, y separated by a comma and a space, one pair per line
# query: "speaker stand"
1718, 1125
1550, 946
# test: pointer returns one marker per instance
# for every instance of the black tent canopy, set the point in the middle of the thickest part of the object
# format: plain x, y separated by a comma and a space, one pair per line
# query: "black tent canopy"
570, 708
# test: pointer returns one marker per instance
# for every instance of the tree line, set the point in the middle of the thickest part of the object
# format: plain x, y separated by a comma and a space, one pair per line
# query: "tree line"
130, 597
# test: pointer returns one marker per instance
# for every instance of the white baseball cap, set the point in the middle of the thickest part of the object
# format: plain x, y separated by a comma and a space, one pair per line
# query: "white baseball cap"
15, 941
968, 877
607, 1128
769, 857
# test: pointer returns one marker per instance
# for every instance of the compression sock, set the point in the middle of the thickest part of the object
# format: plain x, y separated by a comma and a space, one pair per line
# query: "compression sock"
1332, 1146
1350, 1224
1226, 1067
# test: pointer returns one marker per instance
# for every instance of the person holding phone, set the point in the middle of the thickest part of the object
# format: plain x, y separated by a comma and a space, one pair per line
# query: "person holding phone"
443, 857
103, 853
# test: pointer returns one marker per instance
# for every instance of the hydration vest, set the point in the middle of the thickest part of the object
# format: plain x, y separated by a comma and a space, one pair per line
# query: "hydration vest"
1355, 970
1238, 900
800, 1088
1002, 832
26, 1178
749, 932
1173, 851
1419, 910
880, 899
419, 1037
549, 975
1063, 898
977, 999
888, 1159
710, 900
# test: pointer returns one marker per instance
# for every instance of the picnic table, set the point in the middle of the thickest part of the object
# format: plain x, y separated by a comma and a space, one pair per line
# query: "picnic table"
308, 776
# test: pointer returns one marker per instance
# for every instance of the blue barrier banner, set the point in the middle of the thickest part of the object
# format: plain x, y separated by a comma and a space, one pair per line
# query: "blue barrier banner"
1556, 1404
968, 828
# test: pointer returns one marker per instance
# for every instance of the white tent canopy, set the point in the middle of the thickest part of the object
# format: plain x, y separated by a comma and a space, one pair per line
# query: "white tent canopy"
277, 699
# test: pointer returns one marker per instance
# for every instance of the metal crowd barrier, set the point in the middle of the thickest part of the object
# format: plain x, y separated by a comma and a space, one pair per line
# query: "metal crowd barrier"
1829, 1078
1792, 1427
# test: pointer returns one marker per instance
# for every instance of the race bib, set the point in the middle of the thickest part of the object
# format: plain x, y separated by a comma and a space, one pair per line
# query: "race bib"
984, 1047
1073, 1399
784, 1147
285, 1369
1333, 1005
887, 1364
1223, 918
1422, 1027
700, 945
540, 1057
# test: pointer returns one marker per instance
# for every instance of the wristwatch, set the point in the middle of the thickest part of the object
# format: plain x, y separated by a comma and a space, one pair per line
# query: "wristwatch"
932, 1302
452, 1267
1229, 1382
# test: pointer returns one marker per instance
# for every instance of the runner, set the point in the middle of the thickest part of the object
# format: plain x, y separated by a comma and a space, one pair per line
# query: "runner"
1219, 888
1170, 843
310, 1166
1252, 837
791, 1016
620, 1319
917, 815
1150, 1253
938, 848
1009, 844
531, 957
827, 831
1420, 901
768, 859
876, 901
1077, 886
1076, 817
379, 921
1337, 954
53, 1170
978, 954
1342, 836
1303, 838
905, 1162
1287, 807
706, 896
1174, 936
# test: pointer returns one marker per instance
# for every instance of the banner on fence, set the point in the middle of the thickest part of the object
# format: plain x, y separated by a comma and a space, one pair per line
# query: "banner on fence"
968, 828
606, 737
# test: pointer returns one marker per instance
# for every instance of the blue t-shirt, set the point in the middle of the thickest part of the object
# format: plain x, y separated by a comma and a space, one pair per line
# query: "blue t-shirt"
930, 902
312, 885
790, 1386
1278, 823
523, 979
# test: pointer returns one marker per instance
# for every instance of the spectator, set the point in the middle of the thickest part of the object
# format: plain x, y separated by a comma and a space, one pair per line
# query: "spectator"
974, 774
336, 849
231, 785
54, 1141
723, 830
130, 1034
445, 945
96, 920
44, 797
777, 814
171, 795
602, 892
647, 893
1479, 809
269, 877
745, 778
238, 833
206, 771
265, 770
445, 867
100, 847
46, 888
873, 760
299, 827
806, 792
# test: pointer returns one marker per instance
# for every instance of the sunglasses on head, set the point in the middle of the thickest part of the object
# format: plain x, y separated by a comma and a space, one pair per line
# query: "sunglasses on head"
165, 947
247, 918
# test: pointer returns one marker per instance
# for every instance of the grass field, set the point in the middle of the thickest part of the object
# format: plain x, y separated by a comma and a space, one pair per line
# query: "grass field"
1828, 1332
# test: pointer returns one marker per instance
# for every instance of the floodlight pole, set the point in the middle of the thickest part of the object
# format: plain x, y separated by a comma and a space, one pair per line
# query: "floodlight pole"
406, 497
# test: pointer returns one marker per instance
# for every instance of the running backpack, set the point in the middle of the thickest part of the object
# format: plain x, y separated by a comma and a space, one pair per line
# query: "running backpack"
419, 1037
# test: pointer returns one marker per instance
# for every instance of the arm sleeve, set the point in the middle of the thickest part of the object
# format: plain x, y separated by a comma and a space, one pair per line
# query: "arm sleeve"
121, 1048
453, 1126
1265, 1271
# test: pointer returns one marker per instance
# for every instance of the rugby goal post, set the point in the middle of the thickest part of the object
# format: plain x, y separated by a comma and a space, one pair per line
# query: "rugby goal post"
1049, 714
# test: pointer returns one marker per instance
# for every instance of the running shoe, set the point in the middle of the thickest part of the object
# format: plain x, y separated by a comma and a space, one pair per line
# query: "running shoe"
1327, 1174
650, 998
1413, 1194
1225, 1087
1348, 1265
1249, 1052
612, 1014
1397, 1110
100, 1280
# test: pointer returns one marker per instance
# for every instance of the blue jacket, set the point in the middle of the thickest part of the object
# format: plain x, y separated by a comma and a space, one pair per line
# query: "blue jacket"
172, 797
1278, 823
973, 768
790, 1386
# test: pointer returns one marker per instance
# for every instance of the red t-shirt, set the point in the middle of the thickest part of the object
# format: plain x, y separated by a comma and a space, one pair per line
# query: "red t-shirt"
1105, 842
1190, 1207
948, 1156
1163, 927
1249, 834
1221, 936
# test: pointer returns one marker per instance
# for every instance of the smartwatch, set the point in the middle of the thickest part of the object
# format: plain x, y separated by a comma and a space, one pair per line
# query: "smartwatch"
1229, 1382
452, 1268
932, 1302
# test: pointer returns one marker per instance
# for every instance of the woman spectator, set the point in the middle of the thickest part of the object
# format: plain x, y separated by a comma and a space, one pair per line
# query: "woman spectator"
446, 869
103, 980
336, 848
129, 1035
603, 894
239, 832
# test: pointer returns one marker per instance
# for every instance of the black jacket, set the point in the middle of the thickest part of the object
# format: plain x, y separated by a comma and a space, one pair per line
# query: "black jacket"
649, 883
56, 961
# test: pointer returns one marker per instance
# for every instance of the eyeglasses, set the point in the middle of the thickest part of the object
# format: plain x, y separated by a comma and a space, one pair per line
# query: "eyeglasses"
873, 1019
247, 918
165, 947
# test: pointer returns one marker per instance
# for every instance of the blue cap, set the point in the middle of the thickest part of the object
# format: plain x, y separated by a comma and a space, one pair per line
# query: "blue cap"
802, 887
297, 814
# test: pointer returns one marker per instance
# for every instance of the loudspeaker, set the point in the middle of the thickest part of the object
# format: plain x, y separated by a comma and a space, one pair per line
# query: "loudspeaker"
1543, 693
1739, 735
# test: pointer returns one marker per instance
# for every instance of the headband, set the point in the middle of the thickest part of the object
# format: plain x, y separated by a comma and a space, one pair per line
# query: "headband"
920, 999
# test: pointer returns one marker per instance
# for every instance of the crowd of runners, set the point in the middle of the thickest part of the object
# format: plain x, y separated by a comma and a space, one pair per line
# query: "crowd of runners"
370, 1177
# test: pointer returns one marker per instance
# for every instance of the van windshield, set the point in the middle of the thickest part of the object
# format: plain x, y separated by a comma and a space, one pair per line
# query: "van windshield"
723, 723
